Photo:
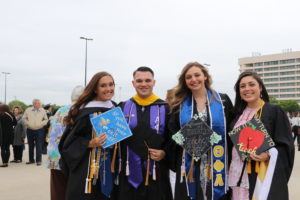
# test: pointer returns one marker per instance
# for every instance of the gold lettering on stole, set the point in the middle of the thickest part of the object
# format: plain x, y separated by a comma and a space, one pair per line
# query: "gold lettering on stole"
219, 181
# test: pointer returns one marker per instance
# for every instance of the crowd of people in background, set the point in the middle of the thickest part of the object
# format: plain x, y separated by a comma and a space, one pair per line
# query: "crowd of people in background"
17, 127
134, 173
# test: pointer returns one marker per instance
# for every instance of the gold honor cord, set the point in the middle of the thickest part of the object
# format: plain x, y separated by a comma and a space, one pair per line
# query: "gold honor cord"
258, 116
97, 165
92, 163
91, 166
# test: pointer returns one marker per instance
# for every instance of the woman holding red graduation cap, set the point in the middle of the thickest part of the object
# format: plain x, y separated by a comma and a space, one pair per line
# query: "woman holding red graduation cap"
266, 176
89, 168
204, 178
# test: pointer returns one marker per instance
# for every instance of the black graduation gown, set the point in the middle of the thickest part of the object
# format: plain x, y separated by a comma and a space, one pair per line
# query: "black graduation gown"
278, 126
174, 127
156, 190
7, 121
74, 162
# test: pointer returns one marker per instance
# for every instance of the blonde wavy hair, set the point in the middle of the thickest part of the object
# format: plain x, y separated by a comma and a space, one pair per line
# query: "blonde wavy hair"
182, 91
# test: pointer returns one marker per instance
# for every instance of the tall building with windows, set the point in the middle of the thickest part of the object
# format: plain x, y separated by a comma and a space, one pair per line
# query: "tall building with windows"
279, 72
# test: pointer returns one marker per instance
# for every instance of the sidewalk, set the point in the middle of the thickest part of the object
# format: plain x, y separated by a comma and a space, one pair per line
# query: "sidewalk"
25, 182
31, 182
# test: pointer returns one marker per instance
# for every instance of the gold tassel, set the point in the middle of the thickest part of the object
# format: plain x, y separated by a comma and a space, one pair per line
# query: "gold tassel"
147, 173
249, 167
191, 171
92, 165
112, 166
90, 186
257, 167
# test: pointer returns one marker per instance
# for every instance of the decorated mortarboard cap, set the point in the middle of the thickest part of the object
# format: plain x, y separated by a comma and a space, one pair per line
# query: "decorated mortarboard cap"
143, 137
251, 137
196, 137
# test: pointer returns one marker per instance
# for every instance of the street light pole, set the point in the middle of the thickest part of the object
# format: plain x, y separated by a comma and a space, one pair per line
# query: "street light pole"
5, 74
85, 69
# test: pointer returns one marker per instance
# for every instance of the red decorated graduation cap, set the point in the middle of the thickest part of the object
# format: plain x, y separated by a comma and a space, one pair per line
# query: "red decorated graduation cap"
251, 138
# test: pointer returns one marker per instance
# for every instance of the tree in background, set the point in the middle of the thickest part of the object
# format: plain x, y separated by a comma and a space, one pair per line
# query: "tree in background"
54, 108
273, 100
14, 103
290, 106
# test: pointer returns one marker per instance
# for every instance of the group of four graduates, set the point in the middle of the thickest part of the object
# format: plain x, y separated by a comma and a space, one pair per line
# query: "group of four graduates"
126, 172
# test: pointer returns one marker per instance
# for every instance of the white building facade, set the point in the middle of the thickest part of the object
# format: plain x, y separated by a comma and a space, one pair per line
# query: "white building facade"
279, 72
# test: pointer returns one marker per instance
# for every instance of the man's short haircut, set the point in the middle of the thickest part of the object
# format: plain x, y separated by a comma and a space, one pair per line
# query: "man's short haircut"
76, 92
35, 100
143, 69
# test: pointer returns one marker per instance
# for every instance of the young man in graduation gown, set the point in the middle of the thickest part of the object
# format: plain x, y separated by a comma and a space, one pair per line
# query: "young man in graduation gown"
144, 173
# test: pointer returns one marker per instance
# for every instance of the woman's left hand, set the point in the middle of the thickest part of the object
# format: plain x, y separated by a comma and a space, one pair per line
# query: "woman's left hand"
264, 156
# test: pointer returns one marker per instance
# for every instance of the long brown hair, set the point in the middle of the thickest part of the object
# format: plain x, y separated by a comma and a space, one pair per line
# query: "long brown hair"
88, 95
182, 91
240, 104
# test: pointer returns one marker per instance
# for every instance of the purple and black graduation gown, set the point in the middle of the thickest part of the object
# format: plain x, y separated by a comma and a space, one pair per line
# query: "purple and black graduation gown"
132, 185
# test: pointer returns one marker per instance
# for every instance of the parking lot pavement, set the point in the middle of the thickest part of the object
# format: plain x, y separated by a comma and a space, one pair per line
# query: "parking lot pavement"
31, 182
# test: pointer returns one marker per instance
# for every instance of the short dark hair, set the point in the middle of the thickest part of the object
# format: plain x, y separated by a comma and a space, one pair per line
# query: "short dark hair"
143, 69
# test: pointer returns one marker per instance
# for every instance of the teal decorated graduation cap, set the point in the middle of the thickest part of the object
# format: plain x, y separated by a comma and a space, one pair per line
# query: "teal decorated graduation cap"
196, 137
114, 124
251, 138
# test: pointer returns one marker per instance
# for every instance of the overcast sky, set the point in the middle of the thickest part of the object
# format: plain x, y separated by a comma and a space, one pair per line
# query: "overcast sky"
40, 43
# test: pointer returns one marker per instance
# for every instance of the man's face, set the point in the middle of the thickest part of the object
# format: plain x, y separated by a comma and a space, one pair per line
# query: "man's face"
37, 104
143, 82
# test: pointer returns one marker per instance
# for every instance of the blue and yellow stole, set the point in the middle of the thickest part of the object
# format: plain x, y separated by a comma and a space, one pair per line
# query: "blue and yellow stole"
219, 150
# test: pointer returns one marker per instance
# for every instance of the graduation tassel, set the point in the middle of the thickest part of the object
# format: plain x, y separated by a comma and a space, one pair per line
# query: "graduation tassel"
90, 186
120, 166
154, 172
182, 168
147, 173
112, 166
86, 189
191, 171
87, 180
257, 167
127, 164
91, 167
249, 167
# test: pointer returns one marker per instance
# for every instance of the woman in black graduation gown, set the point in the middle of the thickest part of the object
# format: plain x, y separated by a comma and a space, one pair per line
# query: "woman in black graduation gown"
194, 96
78, 142
268, 172
7, 123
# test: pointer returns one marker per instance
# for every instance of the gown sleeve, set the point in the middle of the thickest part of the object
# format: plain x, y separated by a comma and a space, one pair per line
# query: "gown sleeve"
75, 144
282, 136
175, 150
